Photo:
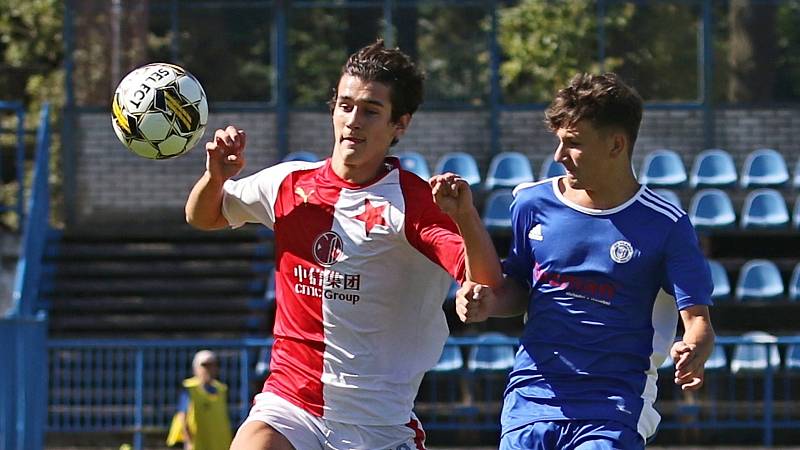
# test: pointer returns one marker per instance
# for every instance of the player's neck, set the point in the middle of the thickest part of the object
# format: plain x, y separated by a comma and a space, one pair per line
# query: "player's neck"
609, 194
359, 174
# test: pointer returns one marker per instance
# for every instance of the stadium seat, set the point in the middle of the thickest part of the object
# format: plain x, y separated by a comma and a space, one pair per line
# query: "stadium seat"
711, 209
717, 360
764, 208
792, 361
551, 169
764, 167
269, 292
301, 155
759, 279
451, 359
748, 357
663, 168
489, 355
262, 363
507, 170
415, 162
796, 181
670, 196
713, 168
719, 277
796, 214
462, 164
794, 284
497, 211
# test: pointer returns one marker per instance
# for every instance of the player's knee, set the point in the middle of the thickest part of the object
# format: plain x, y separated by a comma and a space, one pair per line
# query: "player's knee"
259, 436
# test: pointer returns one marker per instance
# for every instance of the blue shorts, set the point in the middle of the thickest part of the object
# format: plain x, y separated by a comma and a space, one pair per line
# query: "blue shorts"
572, 435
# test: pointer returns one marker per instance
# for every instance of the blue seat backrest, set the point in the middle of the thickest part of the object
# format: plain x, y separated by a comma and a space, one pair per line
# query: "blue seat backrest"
508, 169
759, 279
712, 209
415, 162
462, 164
713, 168
663, 168
764, 167
764, 208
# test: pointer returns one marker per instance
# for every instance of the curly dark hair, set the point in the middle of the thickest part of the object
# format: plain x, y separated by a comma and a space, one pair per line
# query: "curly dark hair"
392, 67
604, 100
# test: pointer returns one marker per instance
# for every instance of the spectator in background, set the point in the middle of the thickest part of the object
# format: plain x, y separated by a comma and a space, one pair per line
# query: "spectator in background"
202, 421
601, 265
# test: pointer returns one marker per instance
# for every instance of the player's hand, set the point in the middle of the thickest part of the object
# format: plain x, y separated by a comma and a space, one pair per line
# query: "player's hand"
452, 194
225, 154
689, 367
472, 301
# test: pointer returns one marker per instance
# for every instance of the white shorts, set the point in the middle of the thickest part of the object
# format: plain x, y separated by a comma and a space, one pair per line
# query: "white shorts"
308, 432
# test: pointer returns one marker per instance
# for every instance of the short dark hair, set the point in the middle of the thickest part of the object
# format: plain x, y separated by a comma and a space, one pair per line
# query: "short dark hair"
392, 67
604, 100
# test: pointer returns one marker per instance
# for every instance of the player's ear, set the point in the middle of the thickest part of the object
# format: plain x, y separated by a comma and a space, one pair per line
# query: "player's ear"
619, 141
401, 125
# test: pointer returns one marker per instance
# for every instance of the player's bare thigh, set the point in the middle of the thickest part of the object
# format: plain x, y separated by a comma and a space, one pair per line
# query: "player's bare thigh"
259, 436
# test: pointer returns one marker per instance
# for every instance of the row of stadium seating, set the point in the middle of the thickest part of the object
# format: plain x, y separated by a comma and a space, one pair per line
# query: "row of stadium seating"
710, 209
758, 280
715, 167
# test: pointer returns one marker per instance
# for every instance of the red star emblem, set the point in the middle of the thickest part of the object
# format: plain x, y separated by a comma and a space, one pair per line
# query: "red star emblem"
371, 216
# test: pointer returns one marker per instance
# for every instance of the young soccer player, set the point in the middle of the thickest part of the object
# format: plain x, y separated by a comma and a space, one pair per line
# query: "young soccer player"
601, 265
364, 260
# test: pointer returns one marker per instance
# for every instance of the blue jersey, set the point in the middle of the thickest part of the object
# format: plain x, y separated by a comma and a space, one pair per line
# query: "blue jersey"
598, 325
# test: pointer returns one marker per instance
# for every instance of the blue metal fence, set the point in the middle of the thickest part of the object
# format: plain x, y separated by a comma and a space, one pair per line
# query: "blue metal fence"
133, 386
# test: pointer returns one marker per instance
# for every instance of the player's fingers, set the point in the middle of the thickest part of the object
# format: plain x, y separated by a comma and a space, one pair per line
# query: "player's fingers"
219, 137
242, 139
695, 383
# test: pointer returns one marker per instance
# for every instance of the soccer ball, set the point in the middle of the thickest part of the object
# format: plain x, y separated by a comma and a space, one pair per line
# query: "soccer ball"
159, 111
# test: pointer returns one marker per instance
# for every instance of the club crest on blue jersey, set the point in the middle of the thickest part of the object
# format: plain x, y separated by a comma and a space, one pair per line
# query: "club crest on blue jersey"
327, 248
621, 252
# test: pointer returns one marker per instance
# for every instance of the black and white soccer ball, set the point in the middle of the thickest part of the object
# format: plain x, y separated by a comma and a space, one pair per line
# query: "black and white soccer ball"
159, 111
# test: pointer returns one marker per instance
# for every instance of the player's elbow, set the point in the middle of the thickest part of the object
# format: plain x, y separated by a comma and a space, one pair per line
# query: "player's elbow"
202, 223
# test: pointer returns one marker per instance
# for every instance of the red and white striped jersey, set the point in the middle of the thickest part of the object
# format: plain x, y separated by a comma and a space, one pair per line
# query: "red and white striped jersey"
361, 273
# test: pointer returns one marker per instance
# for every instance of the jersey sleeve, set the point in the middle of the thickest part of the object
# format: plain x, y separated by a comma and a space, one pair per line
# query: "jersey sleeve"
252, 199
429, 230
688, 277
519, 262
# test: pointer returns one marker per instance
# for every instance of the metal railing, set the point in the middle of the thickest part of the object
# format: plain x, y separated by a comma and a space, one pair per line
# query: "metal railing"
25, 295
134, 385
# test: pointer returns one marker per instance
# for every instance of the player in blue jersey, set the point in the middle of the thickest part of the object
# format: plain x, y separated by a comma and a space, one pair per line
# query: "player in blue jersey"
601, 265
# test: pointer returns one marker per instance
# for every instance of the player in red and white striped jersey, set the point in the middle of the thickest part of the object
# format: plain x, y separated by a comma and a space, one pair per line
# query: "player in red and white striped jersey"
365, 252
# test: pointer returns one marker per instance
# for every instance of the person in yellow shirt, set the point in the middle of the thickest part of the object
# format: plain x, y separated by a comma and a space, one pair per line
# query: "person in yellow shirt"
202, 421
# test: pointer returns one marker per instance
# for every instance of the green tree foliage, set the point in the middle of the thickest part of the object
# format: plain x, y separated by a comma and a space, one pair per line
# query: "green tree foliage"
317, 50
30, 71
544, 44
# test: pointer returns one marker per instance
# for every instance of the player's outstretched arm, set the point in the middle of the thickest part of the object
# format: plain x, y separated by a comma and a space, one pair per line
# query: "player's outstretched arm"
477, 302
224, 159
690, 353
453, 195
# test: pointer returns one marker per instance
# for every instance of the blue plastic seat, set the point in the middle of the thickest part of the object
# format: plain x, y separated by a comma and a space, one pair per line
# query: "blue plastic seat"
794, 284
711, 209
713, 168
749, 357
796, 181
451, 359
301, 155
491, 353
262, 362
719, 277
497, 211
269, 292
670, 196
415, 162
764, 167
551, 169
507, 170
792, 361
663, 168
717, 360
764, 208
796, 214
462, 164
759, 279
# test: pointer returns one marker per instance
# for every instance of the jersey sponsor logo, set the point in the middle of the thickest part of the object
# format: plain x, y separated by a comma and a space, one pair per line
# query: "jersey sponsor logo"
324, 283
621, 252
327, 248
575, 286
536, 233
302, 193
